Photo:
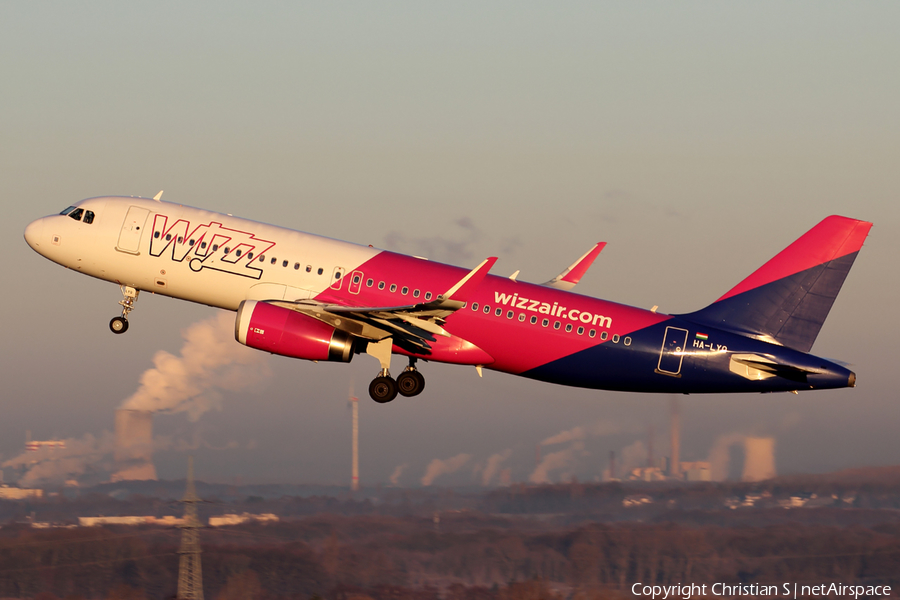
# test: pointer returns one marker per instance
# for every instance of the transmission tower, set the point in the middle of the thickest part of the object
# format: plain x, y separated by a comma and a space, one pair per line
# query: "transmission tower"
190, 576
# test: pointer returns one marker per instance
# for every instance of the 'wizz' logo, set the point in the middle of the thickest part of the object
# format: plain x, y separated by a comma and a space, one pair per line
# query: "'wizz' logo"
209, 246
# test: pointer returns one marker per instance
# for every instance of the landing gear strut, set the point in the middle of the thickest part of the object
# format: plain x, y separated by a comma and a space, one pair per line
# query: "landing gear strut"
129, 297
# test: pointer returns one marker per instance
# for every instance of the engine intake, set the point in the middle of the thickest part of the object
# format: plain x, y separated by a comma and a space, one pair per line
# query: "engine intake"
289, 333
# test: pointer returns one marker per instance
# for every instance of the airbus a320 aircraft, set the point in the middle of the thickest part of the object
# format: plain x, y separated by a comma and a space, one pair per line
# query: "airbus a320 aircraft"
315, 298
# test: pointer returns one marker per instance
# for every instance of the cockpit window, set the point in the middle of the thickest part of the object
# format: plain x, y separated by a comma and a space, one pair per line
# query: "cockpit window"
88, 217
67, 210
76, 214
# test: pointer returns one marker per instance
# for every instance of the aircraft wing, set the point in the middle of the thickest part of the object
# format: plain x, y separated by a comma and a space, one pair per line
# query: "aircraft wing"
571, 276
411, 326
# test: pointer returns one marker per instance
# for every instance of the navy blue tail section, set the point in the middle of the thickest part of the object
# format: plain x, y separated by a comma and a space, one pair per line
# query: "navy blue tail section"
787, 299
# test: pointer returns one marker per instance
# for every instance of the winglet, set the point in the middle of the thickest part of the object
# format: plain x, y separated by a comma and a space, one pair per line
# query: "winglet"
571, 276
158, 196
465, 286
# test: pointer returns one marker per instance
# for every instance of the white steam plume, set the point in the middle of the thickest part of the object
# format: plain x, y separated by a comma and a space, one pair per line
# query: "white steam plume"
398, 471
439, 467
555, 461
211, 361
57, 465
493, 466
633, 456
581, 432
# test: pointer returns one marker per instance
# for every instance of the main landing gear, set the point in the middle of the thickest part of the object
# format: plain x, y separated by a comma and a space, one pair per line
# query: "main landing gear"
129, 297
409, 383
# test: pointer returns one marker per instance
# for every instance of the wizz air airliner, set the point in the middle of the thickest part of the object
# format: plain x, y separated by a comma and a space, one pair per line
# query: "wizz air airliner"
305, 296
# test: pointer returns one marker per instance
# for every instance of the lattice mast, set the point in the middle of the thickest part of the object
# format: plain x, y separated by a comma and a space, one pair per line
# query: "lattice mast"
354, 475
190, 575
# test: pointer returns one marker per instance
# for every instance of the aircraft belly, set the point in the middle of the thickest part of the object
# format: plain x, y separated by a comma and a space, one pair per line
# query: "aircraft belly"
705, 365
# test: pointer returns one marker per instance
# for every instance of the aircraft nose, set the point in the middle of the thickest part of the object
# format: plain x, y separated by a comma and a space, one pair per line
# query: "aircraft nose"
34, 233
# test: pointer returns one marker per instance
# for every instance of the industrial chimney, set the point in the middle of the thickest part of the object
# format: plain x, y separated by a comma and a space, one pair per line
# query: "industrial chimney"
675, 439
134, 445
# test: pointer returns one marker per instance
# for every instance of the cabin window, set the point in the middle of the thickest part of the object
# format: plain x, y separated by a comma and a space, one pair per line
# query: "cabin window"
296, 266
415, 293
533, 319
180, 240
487, 309
615, 338
89, 217
370, 282
77, 214
428, 295
356, 279
509, 314
156, 235
627, 341
262, 258
556, 325
337, 274
191, 243
237, 252
284, 263
404, 290
545, 322
249, 256
393, 287
499, 311
168, 236
273, 261
522, 318
593, 333
568, 327
580, 330
380, 285
474, 306
320, 271
215, 247
203, 245
227, 250
603, 335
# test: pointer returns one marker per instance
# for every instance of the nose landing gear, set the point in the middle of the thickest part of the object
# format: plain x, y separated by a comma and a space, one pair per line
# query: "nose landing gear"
129, 297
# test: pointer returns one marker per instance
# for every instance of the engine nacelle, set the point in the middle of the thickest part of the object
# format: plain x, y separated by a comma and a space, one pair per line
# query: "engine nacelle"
289, 333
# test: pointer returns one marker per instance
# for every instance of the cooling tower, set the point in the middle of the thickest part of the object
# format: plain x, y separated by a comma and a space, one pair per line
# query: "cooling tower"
759, 459
134, 445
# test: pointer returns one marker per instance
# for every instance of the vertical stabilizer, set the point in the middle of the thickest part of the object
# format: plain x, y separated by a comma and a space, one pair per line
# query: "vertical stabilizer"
787, 300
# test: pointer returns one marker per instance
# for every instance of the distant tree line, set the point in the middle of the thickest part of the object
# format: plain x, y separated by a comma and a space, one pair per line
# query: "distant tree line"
466, 556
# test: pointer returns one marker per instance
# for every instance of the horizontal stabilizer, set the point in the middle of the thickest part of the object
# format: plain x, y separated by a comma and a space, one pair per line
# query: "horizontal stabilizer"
571, 276
787, 300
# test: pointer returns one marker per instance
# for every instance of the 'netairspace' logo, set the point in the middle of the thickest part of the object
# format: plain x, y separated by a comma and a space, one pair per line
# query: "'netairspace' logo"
785, 590
554, 310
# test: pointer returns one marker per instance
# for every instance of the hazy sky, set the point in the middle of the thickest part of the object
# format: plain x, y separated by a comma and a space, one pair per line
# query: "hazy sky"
697, 139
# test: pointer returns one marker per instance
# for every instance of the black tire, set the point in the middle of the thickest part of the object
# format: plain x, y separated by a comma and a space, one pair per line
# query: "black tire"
118, 325
383, 389
410, 383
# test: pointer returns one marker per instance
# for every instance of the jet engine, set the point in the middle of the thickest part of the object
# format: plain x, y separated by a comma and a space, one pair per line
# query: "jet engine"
286, 332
